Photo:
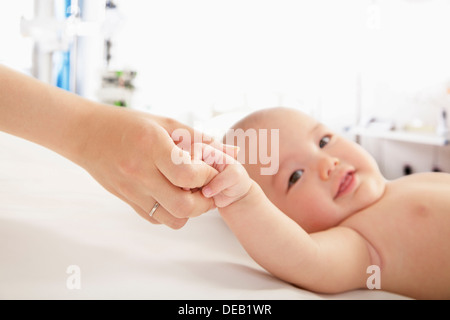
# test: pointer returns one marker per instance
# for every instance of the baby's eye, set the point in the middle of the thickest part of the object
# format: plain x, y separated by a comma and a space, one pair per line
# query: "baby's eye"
295, 177
324, 141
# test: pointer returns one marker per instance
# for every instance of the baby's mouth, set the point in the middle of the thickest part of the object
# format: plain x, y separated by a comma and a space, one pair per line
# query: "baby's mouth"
346, 184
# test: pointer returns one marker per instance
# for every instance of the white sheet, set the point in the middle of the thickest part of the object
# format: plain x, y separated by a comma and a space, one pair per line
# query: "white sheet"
54, 215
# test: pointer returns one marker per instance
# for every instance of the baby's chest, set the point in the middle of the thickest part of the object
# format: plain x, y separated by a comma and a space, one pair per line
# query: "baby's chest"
410, 231
409, 226
406, 217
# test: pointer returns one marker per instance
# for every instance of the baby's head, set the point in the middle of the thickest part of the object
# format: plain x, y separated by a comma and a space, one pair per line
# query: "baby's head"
322, 178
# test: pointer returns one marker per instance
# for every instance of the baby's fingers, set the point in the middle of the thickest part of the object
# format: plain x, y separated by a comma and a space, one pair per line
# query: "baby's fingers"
228, 186
218, 184
229, 182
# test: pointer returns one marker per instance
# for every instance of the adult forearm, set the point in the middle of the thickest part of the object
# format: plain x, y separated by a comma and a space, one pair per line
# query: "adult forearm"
42, 113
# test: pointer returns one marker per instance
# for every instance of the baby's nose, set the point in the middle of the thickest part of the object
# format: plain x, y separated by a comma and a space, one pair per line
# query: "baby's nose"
327, 166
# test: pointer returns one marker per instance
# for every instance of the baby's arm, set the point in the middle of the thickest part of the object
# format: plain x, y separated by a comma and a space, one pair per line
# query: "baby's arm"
330, 261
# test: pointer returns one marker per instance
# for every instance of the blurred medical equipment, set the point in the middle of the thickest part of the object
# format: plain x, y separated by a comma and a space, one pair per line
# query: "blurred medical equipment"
442, 128
117, 87
72, 48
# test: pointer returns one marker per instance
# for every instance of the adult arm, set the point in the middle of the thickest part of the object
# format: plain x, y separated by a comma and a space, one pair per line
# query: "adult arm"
126, 151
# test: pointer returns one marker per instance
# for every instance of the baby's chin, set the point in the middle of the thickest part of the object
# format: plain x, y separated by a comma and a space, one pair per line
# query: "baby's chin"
370, 191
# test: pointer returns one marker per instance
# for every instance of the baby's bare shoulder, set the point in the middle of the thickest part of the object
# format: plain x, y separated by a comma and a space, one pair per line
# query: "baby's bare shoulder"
409, 227
415, 180
406, 197
420, 189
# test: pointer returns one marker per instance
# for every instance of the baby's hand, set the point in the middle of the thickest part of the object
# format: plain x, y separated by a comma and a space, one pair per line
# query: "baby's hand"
232, 182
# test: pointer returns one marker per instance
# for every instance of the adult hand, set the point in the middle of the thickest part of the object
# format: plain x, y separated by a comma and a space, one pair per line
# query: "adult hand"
126, 151
131, 154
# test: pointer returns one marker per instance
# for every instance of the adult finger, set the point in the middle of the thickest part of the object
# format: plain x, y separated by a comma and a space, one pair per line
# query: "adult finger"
230, 150
159, 214
192, 135
178, 166
162, 216
178, 202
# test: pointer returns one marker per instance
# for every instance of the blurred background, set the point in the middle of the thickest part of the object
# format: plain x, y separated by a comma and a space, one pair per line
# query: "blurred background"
377, 71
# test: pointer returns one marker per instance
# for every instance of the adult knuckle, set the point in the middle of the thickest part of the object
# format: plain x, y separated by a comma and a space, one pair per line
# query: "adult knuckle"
177, 224
186, 207
179, 207
190, 206
171, 123
128, 167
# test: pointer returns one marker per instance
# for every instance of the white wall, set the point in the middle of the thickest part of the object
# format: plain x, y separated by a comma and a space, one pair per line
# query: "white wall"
205, 54
15, 49
406, 74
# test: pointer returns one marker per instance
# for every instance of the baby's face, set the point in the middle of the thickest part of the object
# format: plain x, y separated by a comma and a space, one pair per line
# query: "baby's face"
322, 177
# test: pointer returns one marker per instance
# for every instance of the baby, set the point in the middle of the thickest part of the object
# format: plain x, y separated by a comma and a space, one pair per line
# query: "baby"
327, 220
